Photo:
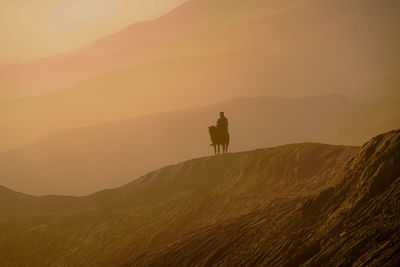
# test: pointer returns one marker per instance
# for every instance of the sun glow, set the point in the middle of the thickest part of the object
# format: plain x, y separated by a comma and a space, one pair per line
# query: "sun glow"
67, 15
33, 29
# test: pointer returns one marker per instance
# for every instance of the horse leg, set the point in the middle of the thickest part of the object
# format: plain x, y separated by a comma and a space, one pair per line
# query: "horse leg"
219, 152
215, 150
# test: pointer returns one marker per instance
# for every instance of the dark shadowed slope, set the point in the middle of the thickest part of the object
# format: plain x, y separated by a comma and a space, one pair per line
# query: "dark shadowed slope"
163, 206
82, 161
355, 222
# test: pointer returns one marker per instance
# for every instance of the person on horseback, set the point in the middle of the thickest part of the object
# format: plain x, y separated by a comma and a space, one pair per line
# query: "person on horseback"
219, 134
222, 124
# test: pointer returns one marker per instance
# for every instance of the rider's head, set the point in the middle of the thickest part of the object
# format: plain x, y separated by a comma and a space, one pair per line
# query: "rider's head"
221, 114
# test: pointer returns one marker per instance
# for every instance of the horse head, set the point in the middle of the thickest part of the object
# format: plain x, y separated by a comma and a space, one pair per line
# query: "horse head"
212, 130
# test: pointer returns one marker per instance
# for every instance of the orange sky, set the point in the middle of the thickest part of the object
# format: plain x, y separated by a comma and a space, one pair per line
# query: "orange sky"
32, 29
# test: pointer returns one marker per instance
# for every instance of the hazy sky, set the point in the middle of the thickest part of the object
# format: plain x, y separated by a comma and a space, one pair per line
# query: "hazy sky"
37, 28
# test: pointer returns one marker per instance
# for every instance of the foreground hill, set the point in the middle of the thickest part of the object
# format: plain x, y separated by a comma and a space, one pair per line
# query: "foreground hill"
288, 205
163, 205
84, 160
355, 222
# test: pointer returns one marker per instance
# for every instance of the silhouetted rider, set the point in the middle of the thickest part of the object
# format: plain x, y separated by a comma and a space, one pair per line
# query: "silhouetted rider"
222, 123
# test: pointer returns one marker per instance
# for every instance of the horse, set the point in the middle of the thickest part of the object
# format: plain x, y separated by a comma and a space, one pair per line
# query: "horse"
219, 138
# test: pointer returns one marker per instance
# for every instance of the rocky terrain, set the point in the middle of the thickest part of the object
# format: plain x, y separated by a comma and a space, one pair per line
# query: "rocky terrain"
355, 222
289, 205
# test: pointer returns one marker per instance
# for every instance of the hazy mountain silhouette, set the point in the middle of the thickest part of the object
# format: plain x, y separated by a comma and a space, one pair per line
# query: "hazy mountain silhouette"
296, 49
83, 160
137, 44
18, 206
358, 36
302, 203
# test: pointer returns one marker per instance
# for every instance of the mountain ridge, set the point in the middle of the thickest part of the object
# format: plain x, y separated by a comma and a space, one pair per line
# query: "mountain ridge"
130, 148
146, 221
344, 231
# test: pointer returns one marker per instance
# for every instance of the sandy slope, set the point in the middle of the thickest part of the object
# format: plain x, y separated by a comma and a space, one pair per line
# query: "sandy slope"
162, 205
355, 223
288, 205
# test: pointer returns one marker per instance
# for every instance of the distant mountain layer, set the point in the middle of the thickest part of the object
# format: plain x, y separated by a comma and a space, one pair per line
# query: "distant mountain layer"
204, 52
84, 160
283, 206
138, 44
357, 38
